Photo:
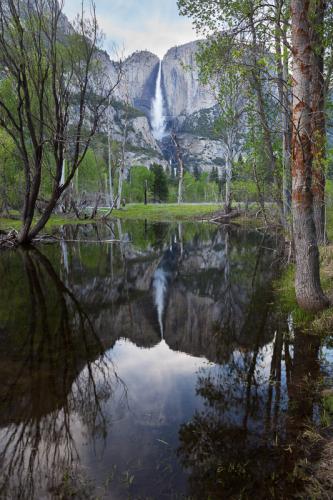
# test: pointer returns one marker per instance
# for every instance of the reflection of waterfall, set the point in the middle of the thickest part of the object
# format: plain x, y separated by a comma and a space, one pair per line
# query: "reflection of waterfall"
157, 109
160, 286
63, 174
64, 252
162, 279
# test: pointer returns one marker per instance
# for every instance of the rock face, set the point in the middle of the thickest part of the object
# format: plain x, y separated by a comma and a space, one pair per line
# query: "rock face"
141, 146
184, 93
189, 107
140, 72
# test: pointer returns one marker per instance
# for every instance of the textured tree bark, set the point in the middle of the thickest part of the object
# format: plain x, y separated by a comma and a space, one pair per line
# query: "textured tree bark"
318, 121
179, 157
309, 293
228, 178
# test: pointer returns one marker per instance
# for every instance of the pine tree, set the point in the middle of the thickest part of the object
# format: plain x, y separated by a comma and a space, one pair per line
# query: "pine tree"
160, 189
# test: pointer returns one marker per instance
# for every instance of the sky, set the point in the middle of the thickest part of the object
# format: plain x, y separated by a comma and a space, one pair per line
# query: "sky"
153, 25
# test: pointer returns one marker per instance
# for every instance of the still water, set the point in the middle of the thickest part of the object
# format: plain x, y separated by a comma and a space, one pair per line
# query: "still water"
153, 367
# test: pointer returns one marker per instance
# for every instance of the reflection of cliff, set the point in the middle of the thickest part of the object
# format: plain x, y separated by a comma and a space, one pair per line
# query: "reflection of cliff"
218, 300
205, 295
208, 296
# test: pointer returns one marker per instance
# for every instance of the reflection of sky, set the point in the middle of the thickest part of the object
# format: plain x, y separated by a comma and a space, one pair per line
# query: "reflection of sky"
161, 395
144, 426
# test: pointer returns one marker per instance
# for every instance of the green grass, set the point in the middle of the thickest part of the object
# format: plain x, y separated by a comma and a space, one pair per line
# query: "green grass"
286, 299
157, 212
165, 212
321, 323
55, 222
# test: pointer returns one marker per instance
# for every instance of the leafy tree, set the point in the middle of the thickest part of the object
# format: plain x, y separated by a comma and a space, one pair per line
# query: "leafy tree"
134, 188
92, 172
58, 96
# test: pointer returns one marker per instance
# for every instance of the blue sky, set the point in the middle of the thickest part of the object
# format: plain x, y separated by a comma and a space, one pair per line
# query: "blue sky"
139, 24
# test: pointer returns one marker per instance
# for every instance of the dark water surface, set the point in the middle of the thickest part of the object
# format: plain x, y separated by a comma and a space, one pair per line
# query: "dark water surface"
153, 368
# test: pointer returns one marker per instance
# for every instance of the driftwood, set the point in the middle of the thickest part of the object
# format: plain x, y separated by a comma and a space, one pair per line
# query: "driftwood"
107, 215
223, 217
8, 240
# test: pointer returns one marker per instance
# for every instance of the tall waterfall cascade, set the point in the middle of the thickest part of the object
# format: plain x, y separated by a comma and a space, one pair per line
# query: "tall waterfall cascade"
157, 108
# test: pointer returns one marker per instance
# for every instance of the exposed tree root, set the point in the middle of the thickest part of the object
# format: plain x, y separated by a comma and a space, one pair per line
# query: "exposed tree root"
9, 240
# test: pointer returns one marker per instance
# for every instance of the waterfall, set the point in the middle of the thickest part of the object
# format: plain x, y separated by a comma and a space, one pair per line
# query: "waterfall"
157, 109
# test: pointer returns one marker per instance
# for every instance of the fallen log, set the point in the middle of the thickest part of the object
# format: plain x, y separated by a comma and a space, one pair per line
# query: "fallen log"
222, 217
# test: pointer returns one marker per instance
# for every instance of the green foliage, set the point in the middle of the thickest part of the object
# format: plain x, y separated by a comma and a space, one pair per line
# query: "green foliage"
201, 123
126, 108
244, 191
10, 173
160, 189
134, 187
92, 172
214, 175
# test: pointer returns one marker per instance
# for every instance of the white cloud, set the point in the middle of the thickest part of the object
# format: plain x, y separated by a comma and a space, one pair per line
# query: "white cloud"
149, 24
155, 35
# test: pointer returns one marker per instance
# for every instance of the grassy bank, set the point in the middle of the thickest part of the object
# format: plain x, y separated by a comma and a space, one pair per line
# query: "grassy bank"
158, 212
55, 222
321, 323
166, 212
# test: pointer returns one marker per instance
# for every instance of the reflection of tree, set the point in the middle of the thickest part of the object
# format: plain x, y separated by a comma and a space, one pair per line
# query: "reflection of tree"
243, 442
54, 370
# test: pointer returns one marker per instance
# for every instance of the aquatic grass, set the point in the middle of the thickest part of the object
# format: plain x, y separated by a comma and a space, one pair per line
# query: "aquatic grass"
284, 289
319, 323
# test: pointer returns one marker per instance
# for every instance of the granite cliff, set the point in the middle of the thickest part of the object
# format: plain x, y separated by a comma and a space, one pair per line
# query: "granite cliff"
189, 109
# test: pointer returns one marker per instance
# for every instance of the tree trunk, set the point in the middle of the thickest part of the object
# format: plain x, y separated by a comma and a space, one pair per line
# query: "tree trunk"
180, 183
318, 122
110, 170
228, 177
286, 142
145, 192
307, 283
24, 236
179, 157
120, 188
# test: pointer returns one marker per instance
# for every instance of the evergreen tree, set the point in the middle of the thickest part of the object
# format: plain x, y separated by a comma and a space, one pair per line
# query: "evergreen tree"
214, 175
196, 172
160, 188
